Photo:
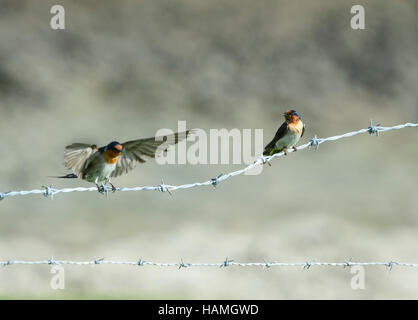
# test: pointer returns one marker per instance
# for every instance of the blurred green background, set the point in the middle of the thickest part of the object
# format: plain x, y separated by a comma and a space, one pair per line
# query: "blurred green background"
124, 69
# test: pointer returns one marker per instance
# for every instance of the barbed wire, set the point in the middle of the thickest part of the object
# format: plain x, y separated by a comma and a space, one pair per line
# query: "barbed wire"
226, 263
49, 191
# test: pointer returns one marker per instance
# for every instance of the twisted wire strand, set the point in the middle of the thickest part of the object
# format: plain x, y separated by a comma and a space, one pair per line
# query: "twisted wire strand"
226, 263
49, 192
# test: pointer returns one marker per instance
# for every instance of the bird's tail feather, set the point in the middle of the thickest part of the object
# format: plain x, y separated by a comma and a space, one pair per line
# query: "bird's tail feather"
68, 176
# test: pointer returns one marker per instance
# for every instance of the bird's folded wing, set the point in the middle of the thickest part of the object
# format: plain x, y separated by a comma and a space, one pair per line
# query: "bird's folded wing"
76, 155
279, 134
133, 151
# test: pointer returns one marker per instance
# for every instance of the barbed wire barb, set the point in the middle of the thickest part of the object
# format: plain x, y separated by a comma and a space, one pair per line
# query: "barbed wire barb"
374, 129
50, 192
227, 262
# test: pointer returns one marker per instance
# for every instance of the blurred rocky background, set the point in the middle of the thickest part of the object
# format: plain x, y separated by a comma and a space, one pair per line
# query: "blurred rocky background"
124, 69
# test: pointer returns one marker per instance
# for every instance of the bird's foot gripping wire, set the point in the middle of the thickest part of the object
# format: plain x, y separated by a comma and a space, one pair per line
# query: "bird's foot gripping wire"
111, 184
104, 188
263, 160
101, 189
294, 149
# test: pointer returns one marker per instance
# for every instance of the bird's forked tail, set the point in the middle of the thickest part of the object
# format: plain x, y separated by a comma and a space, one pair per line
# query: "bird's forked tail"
68, 176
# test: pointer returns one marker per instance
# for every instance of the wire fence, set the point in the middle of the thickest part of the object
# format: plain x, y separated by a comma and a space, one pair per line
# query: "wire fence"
314, 142
225, 263
49, 191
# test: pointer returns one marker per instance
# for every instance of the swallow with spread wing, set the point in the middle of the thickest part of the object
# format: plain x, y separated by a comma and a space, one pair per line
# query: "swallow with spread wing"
97, 165
288, 135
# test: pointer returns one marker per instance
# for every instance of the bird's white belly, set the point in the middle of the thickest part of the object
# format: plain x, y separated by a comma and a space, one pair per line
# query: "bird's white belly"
288, 141
107, 170
99, 171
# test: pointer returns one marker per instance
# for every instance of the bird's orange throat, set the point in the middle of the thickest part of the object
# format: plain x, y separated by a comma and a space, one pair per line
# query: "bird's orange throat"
293, 119
110, 156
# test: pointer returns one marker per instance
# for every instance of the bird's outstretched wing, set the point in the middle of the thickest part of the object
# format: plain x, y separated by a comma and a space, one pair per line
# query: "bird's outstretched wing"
76, 155
279, 134
133, 151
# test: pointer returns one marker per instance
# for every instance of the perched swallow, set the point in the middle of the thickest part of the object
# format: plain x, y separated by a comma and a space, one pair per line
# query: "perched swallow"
97, 165
287, 136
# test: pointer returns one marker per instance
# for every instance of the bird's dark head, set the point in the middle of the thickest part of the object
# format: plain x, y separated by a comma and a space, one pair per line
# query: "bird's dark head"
114, 146
291, 116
